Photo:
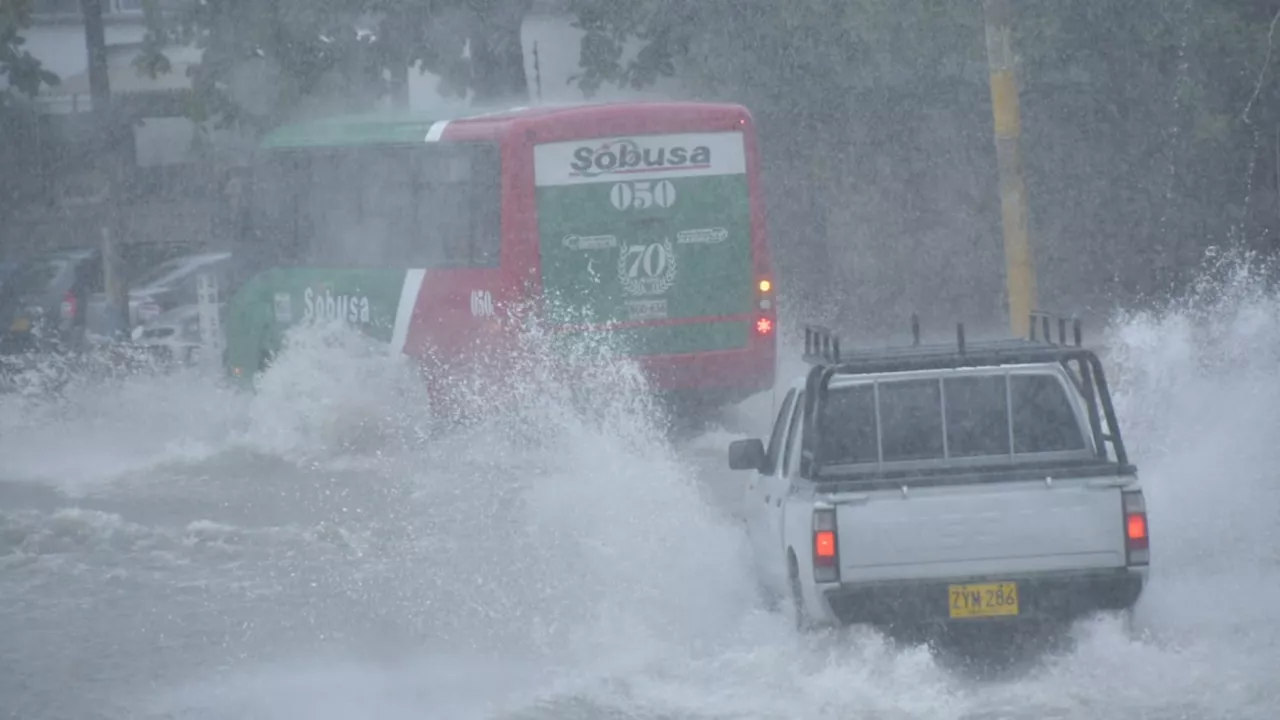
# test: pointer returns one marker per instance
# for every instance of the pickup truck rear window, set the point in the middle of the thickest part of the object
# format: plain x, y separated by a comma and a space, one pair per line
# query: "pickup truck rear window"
1042, 417
977, 416
972, 412
850, 416
911, 420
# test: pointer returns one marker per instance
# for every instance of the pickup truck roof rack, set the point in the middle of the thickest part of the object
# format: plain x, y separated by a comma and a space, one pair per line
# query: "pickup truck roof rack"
822, 350
823, 347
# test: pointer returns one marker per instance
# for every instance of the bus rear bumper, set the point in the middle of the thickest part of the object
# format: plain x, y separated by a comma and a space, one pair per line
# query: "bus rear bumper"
718, 378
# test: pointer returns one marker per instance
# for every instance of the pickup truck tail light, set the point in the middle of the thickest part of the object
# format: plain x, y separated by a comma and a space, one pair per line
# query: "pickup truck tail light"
1136, 540
69, 306
826, 556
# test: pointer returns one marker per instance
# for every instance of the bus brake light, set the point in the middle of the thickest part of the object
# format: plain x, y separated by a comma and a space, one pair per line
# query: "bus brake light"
765, 286
764, 326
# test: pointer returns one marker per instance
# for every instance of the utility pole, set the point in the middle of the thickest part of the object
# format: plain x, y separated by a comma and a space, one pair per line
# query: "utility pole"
1020, 274
110, 158
537, 70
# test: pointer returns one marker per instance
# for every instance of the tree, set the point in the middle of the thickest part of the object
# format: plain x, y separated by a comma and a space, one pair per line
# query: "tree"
25, 76
23, 71
497, 52
268, 60
432, 35
262, 61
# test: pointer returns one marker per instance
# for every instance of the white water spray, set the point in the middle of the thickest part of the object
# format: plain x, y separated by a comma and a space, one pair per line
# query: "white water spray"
561, 549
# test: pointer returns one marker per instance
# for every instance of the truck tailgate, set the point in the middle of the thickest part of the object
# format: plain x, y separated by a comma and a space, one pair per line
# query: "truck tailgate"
980, 529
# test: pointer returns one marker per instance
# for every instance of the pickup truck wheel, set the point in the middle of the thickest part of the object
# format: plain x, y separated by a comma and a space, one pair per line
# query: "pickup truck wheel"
799, 612
1129, 625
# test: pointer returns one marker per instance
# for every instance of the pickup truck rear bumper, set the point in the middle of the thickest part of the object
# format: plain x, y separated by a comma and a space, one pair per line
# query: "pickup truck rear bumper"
1053, 597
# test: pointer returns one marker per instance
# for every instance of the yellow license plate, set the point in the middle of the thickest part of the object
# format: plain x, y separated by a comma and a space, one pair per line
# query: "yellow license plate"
20, 325
983, 600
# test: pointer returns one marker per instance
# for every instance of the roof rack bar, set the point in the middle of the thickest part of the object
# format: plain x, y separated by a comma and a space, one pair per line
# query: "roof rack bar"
823, 346
974, 356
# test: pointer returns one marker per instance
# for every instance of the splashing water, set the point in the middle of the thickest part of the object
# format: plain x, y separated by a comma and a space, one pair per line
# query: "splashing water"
556, 558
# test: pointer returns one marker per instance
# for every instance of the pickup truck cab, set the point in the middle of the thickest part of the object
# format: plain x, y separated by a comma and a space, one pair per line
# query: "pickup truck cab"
921, 487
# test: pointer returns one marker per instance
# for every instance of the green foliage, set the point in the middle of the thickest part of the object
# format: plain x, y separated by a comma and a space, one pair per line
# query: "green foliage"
261, 59
842, 44
24, 72
266, 61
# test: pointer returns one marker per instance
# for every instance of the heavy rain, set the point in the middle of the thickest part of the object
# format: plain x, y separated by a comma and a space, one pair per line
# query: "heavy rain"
380, 358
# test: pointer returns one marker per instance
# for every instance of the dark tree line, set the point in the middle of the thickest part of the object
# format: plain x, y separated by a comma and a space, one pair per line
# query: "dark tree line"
1151, 130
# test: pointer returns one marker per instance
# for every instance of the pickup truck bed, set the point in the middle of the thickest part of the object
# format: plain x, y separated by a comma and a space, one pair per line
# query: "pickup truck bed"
1027, 526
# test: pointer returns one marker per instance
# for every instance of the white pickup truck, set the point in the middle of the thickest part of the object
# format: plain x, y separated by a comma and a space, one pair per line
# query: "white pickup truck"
919, 487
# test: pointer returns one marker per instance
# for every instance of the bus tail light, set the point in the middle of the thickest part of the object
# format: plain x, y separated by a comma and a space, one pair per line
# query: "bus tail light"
765, 289
826, 556
1136, 539
765, 321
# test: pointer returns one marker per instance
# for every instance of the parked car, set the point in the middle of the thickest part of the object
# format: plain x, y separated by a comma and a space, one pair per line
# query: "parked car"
168, 285
42, 303
174, 335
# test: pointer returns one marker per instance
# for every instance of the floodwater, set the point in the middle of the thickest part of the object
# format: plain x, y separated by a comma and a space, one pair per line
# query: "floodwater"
172, 549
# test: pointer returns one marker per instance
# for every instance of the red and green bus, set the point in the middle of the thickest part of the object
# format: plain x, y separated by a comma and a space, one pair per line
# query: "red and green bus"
644, 219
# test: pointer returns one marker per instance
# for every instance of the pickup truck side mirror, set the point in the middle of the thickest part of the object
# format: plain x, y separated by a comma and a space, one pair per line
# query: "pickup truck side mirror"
746, 454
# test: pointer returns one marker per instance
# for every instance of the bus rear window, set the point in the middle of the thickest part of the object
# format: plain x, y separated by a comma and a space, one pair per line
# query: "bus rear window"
430, 206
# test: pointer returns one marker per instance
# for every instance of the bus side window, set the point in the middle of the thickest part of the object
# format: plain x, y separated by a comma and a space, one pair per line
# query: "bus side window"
274, 232
389, 212
485, 206
461, 204
334, 211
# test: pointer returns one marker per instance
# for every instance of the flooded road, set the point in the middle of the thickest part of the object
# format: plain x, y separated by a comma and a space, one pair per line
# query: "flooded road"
169, 549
